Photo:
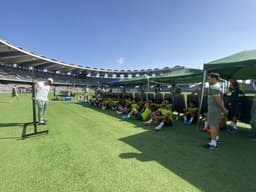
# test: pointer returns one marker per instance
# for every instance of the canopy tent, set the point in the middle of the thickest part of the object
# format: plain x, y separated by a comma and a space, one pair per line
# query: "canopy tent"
113, 82
240, 65
141, 80
185, 75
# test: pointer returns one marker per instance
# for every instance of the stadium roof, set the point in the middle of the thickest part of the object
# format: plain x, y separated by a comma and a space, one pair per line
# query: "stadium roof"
10, 54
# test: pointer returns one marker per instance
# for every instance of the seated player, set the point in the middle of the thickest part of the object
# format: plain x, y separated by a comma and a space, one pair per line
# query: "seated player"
141, 113
131, 108
113, 104
105, 102
190, 114
163, 115
123, 107
94, 101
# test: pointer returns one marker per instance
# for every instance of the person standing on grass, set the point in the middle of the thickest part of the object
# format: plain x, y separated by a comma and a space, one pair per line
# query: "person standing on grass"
215, 106
14, 94
86, 93
235, 95
42, 89
253, 118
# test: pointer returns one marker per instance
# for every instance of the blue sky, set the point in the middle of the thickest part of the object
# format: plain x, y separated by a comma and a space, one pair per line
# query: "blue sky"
130, 34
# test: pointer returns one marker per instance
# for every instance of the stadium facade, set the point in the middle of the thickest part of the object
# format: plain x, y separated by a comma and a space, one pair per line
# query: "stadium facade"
16, 60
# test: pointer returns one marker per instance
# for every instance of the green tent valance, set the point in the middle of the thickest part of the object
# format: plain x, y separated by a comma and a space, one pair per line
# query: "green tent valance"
186, 75
240, 65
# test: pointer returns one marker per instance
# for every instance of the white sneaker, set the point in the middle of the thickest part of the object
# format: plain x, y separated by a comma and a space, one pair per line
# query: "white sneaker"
41, 123
148, 122
234, 126
157, 128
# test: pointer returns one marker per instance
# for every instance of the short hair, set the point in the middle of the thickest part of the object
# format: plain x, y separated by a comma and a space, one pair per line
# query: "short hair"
50, 79
214, 75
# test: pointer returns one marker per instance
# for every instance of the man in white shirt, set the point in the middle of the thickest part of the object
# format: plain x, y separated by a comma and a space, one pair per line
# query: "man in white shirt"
42, 89
215, 106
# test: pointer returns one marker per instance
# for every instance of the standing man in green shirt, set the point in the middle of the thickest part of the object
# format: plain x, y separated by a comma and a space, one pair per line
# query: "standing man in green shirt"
215, 106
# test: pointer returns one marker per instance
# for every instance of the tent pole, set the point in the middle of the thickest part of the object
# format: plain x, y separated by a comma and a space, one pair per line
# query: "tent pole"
201, 98
148, 87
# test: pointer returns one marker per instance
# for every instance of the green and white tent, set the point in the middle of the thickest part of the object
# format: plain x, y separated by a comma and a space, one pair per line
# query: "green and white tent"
240, 65
186, 75
141, 80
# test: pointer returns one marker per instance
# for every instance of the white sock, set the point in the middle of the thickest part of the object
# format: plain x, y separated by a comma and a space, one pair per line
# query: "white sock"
160, 125
217, 138
213, 142
185, 118
149, 121
205, 124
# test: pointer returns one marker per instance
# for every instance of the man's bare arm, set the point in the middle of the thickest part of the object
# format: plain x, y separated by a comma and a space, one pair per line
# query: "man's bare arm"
220, 103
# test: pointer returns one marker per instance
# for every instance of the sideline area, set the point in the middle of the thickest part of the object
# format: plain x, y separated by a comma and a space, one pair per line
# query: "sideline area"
90, 149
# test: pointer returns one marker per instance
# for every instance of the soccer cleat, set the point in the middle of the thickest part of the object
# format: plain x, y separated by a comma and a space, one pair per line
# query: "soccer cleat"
157, 128
148, 122
42, 123
125, 117
217, 141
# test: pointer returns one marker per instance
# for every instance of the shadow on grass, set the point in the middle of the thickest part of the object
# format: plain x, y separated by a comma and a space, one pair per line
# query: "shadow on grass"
13, 125
8, 138
4, 125
179, 149
230, 168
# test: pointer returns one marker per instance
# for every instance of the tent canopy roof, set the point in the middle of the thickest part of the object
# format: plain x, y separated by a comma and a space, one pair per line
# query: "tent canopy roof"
240, 65
186, 75
135, 80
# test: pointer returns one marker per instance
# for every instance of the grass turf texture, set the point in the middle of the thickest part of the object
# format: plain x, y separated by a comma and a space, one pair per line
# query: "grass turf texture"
90, 149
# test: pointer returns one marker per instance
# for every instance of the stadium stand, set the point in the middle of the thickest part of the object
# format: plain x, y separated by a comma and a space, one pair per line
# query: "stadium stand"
19, 75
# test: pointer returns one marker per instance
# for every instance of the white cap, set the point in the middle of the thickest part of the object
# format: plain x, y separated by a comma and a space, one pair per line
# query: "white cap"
50, 79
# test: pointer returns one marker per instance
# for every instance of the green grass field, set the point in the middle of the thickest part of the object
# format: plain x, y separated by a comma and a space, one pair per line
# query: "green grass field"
93, 150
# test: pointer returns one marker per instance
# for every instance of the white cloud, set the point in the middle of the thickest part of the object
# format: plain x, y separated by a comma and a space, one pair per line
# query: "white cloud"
121, 60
